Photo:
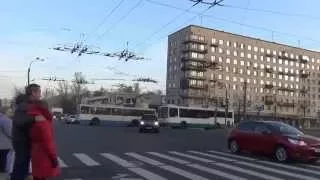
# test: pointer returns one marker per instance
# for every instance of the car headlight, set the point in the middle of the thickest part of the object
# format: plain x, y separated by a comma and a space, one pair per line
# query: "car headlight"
297, 142
156, 123
142, 123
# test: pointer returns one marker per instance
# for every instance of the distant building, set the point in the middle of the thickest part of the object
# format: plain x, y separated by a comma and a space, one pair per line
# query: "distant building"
126, 99
283, 82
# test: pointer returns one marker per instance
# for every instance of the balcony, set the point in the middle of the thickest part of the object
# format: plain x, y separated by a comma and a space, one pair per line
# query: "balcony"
269, 70
214, 44
193, 39
287, 73
286, 104
188, 57
194, 49
304, 75
304, 90
189, 76
268, 86
188, 67
269, 55
185, 84
286, 89
303, 60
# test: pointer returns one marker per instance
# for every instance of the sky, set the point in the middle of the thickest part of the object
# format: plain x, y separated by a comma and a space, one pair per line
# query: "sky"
30, 29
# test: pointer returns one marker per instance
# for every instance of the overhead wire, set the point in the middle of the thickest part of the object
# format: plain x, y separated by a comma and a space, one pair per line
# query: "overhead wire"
187, 21
272, 12
121, 18
105, 18
230, 21
165, 25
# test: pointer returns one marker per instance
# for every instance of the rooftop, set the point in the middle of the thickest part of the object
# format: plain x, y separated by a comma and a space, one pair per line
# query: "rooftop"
243, 36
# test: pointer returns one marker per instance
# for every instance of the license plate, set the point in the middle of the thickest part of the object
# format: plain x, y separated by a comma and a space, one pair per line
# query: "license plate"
317, 150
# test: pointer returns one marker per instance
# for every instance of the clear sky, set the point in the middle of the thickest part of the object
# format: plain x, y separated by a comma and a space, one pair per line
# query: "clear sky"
29, 28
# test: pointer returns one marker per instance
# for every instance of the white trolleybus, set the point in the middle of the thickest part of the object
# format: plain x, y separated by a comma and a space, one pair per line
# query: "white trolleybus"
181, 116
111, 115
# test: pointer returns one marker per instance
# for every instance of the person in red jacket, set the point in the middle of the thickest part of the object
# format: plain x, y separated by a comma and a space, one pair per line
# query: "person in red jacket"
43, 149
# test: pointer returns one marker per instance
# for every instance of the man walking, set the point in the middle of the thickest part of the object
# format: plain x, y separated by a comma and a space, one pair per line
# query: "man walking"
5, 140
22, 124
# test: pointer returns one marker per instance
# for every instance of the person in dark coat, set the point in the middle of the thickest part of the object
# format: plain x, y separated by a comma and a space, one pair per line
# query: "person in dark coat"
22, 123
43, 148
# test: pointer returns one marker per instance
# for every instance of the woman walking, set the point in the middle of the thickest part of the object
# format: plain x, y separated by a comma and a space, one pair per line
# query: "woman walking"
43, 148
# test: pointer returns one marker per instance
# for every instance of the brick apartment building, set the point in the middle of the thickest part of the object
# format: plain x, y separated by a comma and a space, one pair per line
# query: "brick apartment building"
208, 68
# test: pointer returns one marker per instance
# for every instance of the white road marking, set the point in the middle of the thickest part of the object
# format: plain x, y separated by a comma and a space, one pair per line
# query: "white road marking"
86, 159
216, 172
212, 156
118, 160
232, 155
191, 157
62, 164
177, 160
199, 167
145, 159
172, 169
287, 173
246, 171
131, 167
291, 167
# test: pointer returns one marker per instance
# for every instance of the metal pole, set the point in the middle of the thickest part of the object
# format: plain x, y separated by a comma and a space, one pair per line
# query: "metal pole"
245, 101
226, 108
28, 76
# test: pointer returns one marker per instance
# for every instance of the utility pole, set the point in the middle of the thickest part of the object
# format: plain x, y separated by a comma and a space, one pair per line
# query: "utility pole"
245, 101
29, 67
227, 105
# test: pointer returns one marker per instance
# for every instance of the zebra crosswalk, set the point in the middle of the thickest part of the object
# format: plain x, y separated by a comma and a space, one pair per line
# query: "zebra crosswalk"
192, 164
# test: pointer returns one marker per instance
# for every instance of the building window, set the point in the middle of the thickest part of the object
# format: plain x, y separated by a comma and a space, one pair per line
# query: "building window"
227, 78
254, 81
213, 58
262, 66
241, 80
261, 74
228, 52
249, 56
220, 76
235, 62
228, 43
255, 49
255, 73
268, 51
262, 82
262, 50
248, 64
268, 59
213, 41
242, 46
227, 69
286, 62
234, 79
220, 50
280, 76
255, 65
235, 53
235, 44
291, 63
280, 61
274, 53
220, 59
242, 63
221, 42
248, 72
274, 60
234, 70
241, 71
249, 47
213, 49
242, 54
255, 57
228, 60
261, 58
261, 90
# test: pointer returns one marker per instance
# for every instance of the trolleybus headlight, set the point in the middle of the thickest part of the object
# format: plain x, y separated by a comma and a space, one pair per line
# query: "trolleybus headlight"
156, 123
141, 123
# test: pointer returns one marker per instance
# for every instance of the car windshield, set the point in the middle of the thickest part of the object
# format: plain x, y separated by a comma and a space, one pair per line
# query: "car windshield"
148, 118
285, 129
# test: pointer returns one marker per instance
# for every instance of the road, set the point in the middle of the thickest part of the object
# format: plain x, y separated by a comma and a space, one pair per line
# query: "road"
100, 153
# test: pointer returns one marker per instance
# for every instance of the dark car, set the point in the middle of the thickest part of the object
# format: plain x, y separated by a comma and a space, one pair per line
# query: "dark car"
71, 119
277, 139
149, 122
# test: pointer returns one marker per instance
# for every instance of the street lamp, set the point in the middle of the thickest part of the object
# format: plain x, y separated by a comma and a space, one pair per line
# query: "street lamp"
35, 60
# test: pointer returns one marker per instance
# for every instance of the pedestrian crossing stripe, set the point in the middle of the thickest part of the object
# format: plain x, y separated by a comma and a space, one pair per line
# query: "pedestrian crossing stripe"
212, 162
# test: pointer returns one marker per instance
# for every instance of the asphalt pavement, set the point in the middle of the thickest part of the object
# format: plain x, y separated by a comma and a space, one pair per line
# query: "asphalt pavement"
100, 153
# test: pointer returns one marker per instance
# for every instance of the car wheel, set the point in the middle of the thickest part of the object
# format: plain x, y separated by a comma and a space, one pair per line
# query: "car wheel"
140, 130
95, 121
157, 131
234, 146
281, 154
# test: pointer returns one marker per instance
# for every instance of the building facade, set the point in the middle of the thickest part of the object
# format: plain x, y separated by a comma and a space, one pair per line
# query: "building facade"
208, 68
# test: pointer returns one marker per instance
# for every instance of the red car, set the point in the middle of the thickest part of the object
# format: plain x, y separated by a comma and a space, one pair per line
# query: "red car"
281, 140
